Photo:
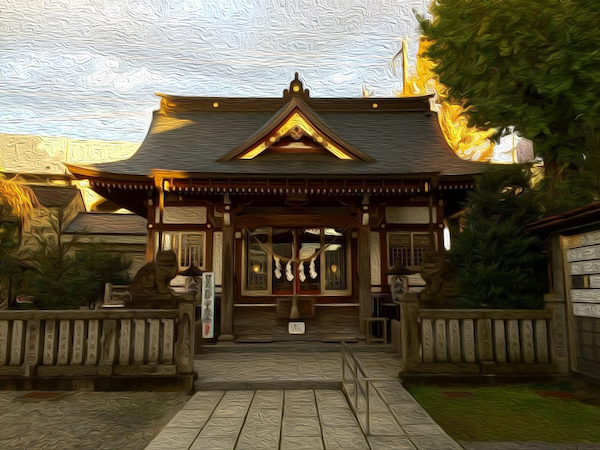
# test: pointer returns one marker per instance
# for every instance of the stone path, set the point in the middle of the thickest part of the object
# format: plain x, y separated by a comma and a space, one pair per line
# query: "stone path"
288, 396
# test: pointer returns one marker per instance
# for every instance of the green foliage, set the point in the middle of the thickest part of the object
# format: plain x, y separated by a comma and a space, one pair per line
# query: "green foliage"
497, 265
532, 65
67, 278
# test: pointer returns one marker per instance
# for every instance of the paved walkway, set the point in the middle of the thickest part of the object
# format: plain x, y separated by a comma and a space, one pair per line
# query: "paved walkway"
288, 396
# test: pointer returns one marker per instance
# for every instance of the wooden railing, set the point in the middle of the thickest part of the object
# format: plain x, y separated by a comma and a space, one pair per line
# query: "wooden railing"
468, 341
123, 343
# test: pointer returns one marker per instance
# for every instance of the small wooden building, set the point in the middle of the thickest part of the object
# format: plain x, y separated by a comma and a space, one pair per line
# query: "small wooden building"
298, 205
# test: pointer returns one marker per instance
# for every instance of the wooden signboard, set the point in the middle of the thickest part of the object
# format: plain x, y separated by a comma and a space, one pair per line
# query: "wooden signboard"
208, 305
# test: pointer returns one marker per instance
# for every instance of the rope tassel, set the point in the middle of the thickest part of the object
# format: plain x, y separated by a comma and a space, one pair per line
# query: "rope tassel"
278, 272
288, 271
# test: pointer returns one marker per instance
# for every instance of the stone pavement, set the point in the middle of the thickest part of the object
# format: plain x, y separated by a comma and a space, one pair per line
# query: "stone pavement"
289, 396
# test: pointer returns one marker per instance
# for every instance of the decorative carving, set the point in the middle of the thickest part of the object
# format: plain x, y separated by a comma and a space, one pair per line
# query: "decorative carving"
17, 343
584, 267
584, 253
125, 342
184, 214
375, 260
92, 342
218, 257
440, 281
78, 342
411, 214
64, 339
49, 343
150, 286
3, 342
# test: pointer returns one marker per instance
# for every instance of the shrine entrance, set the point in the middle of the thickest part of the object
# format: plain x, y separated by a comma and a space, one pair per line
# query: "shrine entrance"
296, 284
296, 262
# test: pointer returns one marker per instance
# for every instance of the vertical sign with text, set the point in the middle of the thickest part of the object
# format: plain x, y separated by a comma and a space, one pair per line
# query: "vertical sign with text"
208, 304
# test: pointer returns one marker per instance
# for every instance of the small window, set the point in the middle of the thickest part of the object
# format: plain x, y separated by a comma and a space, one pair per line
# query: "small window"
189, 248
408, 249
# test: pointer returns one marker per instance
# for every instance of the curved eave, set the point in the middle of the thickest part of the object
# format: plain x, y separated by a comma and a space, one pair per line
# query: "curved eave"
81, 172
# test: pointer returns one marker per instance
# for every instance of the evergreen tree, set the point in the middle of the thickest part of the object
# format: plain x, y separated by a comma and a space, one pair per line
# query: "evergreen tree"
532, 65
67, 277
497, 265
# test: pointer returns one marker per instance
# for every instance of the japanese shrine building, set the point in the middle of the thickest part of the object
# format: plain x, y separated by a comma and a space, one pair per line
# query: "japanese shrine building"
298, 205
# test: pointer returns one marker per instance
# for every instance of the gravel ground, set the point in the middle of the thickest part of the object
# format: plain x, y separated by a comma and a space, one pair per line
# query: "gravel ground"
84, 420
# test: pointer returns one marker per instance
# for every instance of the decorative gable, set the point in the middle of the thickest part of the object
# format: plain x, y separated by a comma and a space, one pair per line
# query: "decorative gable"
295, 129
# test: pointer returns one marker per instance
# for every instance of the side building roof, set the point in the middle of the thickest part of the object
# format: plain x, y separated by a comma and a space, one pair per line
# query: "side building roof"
107, 223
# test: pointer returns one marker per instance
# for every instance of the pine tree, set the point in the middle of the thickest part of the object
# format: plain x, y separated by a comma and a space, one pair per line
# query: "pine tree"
497, 264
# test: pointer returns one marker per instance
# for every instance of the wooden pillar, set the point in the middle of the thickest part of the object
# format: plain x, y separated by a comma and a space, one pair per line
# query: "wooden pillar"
364, 264
411, 344
228, 275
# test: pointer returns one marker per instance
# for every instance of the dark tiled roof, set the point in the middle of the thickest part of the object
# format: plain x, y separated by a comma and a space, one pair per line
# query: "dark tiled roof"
55, 196
401, 135
568, 220
108, 223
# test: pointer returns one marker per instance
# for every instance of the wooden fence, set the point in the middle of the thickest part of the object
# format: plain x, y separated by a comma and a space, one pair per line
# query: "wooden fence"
98, 345
468, 341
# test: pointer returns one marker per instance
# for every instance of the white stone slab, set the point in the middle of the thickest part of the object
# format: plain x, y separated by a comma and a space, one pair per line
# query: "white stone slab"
584, 267
125, 342
541, 341
583, 253
78, 342
441, 340
527, 344
153, 340
3, 342
586, 310
499, 341
92, 342
49, 350
454, 340
168, 341
585, 295
139, 326
427, 331
16, 343
514, 341
64, 342
468, 340
591, 238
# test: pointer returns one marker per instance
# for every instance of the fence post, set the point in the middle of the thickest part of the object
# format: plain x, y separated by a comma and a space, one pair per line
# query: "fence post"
559, 355
411, 345
184, 349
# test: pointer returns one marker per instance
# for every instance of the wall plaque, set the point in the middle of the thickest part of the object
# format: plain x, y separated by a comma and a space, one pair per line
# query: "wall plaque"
185, 214
208, 304
296, 327
408, 214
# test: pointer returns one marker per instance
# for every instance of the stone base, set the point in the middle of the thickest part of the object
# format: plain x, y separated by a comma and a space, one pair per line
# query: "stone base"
226, 337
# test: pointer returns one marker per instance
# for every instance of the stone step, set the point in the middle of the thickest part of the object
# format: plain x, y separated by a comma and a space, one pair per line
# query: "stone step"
266, 384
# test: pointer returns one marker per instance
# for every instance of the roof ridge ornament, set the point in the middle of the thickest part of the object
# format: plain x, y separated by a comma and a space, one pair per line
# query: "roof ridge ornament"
296, 88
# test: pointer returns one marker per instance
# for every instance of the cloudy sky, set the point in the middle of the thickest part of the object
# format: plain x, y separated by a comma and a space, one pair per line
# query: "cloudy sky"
88, 68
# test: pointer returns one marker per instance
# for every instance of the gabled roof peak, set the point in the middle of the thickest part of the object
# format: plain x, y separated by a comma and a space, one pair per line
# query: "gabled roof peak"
296, 88
295, 120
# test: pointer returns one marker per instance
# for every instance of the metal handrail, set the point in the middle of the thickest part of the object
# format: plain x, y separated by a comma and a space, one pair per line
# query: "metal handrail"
358, 371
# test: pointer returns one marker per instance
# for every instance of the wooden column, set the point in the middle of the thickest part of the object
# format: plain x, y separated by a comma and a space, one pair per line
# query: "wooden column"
228, 275
364, 265
411, 345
